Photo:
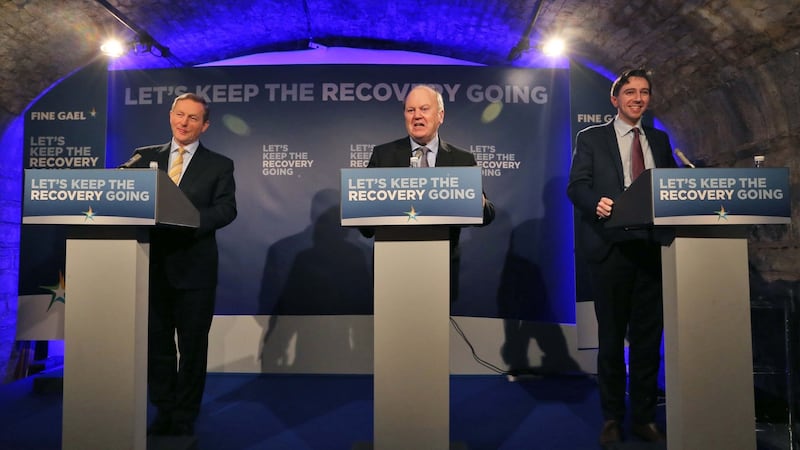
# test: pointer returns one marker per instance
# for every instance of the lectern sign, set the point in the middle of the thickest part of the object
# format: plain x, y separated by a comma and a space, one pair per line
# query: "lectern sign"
406, 196
720, 196
90, 197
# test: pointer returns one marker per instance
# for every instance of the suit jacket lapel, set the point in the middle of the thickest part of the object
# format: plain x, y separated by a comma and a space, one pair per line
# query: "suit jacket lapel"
444, 157
195, 166
404, 153
163, 157
613, 146
655, 147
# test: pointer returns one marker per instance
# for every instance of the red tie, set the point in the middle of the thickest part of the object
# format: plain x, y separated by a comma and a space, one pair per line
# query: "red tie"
637, 156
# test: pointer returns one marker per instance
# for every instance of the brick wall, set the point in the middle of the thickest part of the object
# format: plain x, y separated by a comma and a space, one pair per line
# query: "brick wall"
10, 195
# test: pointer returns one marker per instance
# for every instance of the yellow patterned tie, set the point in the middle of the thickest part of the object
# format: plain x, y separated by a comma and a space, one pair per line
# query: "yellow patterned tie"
177, 166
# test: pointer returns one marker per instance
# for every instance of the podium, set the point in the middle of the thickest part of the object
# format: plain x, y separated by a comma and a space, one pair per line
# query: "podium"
411, 210
707, 337
109, 213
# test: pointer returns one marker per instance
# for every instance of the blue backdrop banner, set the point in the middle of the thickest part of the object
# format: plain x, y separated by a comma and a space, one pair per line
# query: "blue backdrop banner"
291, 129
64, 129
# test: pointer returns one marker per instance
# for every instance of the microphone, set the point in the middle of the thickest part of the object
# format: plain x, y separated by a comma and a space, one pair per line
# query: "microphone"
416, 159
683, 158
127, 164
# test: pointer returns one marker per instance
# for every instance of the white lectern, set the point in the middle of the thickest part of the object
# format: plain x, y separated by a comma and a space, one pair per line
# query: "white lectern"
707, 336
412, 216
412, 338
106, 282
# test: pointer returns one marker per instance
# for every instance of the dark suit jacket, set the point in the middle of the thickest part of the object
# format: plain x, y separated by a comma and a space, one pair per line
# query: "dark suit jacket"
397, 154
597, 172
188, 257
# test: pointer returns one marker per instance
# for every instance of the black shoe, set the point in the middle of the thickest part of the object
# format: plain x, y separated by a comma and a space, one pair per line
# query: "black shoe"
161, 426
611, 433
182, 429
648, 432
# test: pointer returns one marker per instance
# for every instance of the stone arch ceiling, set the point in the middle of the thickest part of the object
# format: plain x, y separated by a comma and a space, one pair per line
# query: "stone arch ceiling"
726, 72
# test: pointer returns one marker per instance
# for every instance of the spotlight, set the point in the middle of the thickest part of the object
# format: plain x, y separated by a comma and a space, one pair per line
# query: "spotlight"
554, 47
146, 44
113, 48
143, 43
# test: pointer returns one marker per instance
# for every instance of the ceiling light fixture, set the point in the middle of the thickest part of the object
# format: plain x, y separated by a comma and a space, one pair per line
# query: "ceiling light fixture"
142, 43
554, 47
114, 48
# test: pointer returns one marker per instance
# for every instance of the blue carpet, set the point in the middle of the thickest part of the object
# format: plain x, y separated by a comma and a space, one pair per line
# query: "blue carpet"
299, 412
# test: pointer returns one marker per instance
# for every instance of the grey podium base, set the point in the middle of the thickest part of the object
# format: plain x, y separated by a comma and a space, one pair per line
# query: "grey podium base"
371, 446
171, 443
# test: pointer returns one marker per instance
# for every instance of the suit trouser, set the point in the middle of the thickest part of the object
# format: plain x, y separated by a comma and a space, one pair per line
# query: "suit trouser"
628, 303
176, 387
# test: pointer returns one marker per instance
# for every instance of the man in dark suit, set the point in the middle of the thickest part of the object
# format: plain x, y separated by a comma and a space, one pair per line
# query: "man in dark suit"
183, 268
424, 114
624, 265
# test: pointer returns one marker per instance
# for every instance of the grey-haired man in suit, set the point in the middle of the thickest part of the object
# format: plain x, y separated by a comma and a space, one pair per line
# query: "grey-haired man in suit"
423, 109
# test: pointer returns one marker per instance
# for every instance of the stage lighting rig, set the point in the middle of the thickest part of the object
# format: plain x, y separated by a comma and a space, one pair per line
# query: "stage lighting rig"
524, 43
142, 43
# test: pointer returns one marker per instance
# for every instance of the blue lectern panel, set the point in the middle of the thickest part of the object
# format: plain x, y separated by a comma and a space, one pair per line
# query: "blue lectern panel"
90, 197
406, 196
721, 196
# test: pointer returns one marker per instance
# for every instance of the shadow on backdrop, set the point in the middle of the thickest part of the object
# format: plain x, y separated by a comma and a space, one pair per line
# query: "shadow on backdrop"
321, 271
533, 256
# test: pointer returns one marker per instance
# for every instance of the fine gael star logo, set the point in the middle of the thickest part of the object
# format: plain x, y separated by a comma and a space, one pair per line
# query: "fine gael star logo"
412, 215
58, 292
88, 215
721, 214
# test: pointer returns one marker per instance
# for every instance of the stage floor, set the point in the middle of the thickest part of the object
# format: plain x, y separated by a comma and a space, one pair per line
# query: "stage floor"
327, 412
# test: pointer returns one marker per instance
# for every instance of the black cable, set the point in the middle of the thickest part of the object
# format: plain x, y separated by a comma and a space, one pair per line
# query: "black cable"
308, 23
475, 356
524, 43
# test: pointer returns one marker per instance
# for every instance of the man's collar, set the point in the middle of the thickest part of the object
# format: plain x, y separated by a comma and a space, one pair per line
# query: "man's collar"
623, 127
191, 148
433, 145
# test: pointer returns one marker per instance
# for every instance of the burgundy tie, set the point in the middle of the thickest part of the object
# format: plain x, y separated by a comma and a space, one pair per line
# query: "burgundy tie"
637, 156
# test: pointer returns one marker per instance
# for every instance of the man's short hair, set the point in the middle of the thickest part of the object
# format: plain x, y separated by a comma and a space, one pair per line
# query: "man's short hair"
439, 98
622, 80
197, 98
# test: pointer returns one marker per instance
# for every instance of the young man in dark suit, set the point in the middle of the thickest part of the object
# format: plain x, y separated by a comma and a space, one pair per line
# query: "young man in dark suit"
183, 268
424, 114
624, 265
